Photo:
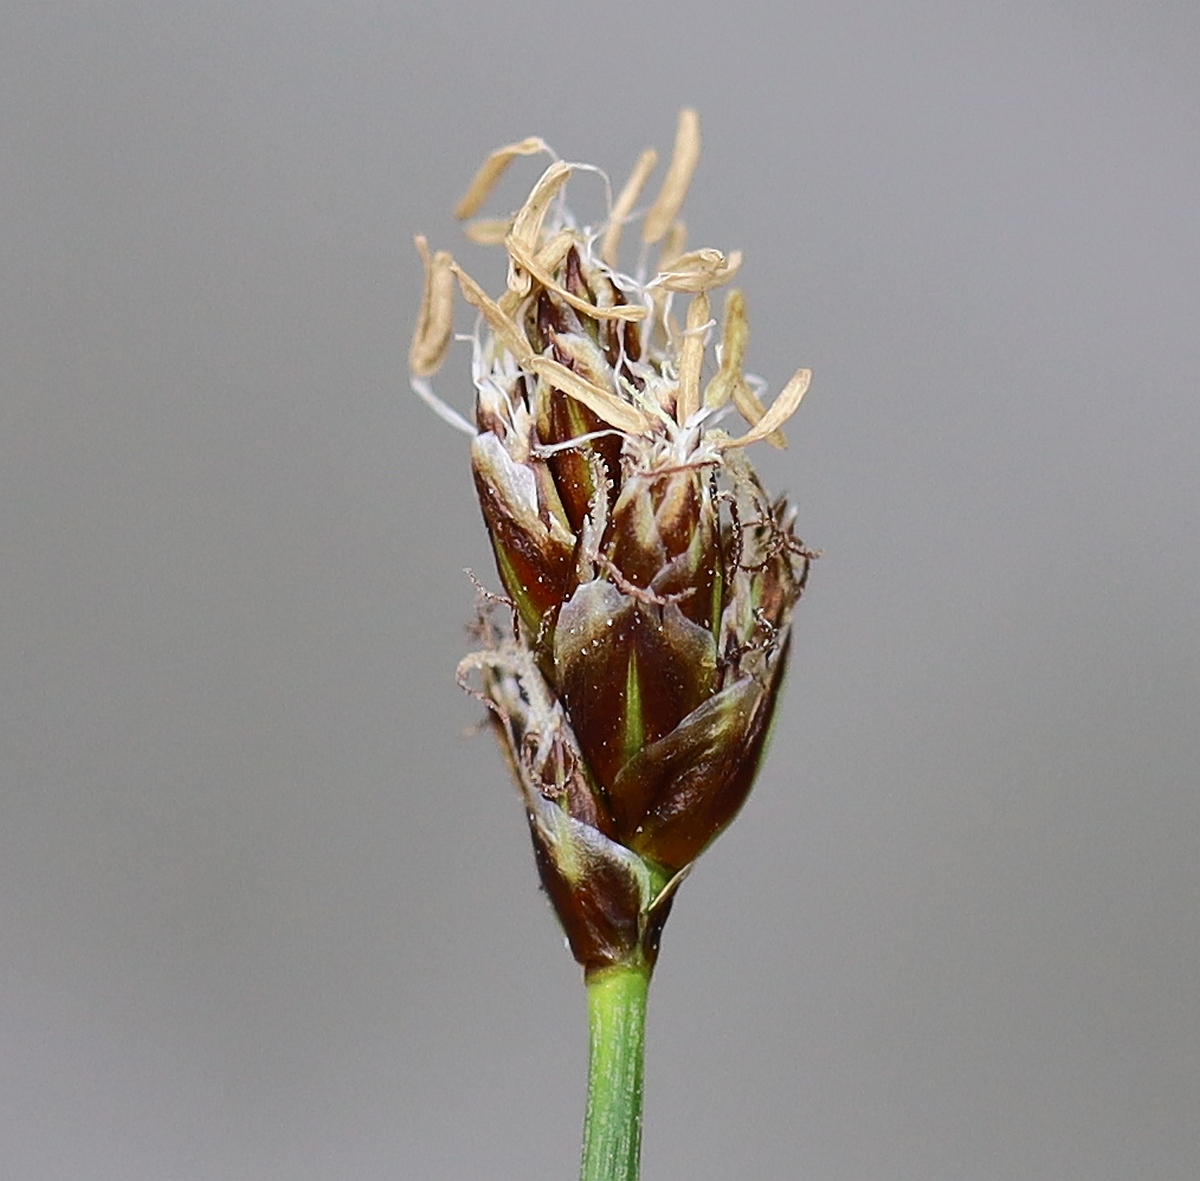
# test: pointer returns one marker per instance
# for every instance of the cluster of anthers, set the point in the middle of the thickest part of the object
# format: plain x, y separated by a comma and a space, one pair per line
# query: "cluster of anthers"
644, 384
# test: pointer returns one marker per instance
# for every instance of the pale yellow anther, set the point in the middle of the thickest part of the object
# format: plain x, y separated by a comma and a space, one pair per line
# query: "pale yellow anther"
753, 411
435, 322
526, 229
780, 411
527, 225
733, 354
699, 270
730, 381
548, 260
491, 170
691, 358
679, 176
582, 355
615, 411
545, 277
623, 206
507, 331
488, 231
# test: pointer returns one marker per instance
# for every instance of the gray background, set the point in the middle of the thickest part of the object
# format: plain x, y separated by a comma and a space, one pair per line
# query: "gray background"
266, 913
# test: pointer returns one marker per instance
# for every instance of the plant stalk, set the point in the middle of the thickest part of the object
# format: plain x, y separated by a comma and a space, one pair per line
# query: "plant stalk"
612, 1128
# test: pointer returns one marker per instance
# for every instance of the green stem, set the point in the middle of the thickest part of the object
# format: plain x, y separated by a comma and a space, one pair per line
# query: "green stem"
612, 1129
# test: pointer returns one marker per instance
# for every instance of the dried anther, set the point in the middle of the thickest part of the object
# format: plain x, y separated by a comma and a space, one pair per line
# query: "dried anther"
651, 581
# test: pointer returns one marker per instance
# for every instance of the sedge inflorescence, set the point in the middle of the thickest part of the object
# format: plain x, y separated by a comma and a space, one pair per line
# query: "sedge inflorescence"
649, 579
